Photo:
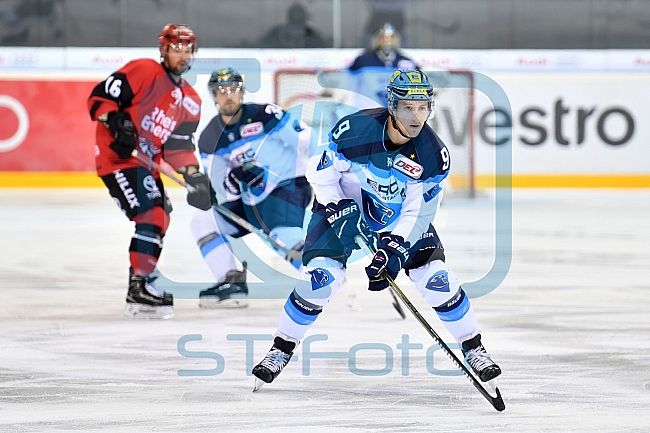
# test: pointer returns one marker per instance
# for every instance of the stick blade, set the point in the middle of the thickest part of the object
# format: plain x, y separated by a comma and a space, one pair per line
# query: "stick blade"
497, 401
399, 309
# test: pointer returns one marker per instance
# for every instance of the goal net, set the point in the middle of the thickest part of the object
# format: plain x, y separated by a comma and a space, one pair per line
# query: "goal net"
321, 97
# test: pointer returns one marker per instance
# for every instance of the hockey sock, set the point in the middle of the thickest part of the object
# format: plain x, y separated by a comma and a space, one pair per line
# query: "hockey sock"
145, 248
458, 317
216, 252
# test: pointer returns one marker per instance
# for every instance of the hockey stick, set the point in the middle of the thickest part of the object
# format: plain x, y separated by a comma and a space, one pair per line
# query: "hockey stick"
291, 254
497, 402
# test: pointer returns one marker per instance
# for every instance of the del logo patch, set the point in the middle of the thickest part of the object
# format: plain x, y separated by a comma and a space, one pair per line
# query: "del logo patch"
251, 129
408, 167
191, 106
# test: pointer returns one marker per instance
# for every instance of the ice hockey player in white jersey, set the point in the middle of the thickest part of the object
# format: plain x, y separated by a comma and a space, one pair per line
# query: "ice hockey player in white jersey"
255, 156
382, 176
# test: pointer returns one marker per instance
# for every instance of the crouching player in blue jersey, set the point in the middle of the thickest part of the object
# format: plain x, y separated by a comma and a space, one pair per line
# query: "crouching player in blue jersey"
381, 176
255, 155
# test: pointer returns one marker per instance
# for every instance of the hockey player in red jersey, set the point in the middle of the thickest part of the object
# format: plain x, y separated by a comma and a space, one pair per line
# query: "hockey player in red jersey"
146, 106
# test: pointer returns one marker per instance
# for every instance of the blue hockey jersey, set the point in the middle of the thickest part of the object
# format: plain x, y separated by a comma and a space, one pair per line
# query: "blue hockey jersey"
399, 191
266, 134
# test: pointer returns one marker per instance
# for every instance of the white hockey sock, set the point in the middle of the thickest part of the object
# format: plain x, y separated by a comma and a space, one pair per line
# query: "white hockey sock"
218, 256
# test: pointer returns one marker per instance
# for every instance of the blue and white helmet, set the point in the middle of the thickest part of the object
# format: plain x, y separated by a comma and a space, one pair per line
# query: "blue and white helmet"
409, 85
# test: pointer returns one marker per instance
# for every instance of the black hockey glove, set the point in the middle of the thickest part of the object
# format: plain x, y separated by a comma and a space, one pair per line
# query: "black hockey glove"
201, 197
392, 255
250, 173
121, 125
347, 222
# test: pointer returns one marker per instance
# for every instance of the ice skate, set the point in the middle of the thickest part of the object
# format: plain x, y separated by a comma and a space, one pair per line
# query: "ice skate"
273, 363
143, 301
229, 294
480, 361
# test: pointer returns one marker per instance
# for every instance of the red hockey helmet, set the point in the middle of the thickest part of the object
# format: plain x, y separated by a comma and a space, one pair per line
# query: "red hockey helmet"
176, 36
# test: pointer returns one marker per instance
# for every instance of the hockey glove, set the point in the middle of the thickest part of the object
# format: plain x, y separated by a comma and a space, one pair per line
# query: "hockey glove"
121, 125
201, 196
347, 222
250, 173
389, 259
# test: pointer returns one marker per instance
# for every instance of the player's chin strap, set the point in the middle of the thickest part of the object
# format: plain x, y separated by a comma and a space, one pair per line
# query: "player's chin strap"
396, 126
497, 402
291, 254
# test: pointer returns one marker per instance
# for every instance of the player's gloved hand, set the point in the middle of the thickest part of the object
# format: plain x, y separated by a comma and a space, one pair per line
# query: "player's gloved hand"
347, 222
121, 125
250, 173
200, 198
390, 258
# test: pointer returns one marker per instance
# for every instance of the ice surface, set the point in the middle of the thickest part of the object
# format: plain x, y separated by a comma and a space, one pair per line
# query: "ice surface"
569, 326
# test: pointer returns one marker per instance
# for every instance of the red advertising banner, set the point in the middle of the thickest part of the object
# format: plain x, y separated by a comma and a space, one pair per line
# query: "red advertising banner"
45, 126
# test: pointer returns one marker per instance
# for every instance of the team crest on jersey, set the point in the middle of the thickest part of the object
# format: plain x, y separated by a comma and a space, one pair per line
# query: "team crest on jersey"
439, 282
410, 168
191, 106
251, 129
320, 278
378, 214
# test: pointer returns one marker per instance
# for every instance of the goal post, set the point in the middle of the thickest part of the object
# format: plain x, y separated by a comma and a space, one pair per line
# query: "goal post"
321, 102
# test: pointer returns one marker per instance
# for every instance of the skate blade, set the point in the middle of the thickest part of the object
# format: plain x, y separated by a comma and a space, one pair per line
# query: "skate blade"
493, 385
258, 384
147, 312
214, 303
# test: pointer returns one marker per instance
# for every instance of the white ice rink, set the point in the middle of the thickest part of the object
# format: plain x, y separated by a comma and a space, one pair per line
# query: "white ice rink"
569, 325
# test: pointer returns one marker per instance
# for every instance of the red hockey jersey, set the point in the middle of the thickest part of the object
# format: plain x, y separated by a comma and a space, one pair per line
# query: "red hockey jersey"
165, 115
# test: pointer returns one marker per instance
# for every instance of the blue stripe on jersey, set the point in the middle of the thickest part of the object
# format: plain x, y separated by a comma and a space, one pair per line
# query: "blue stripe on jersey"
455, 309
431, 193
377, 172
301, 312
212, 244
439, 178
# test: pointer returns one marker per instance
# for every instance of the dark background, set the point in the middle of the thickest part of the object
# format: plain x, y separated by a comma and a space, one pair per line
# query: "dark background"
470, 24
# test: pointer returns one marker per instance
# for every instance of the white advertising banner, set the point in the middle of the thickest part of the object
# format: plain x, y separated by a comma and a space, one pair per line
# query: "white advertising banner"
569, 123
572, 112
